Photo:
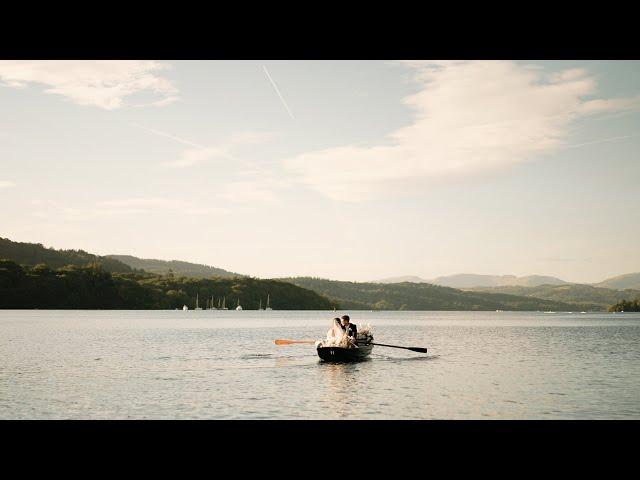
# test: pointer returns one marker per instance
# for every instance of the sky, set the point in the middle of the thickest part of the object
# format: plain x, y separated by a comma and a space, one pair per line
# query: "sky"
349, 170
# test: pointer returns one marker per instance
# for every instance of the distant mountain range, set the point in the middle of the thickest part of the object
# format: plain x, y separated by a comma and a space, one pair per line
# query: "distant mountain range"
453, 292
585, 297
425, 296
179, 268
469, 280
621, 282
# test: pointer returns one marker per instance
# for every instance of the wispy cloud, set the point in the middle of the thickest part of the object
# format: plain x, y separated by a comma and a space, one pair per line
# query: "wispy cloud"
603, 140
193, 156
123, 207
6, 184
167, 135
201, 153
467, 116
103, 84
275, 87
253, 191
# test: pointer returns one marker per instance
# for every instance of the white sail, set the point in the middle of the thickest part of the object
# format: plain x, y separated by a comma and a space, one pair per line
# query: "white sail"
268, 307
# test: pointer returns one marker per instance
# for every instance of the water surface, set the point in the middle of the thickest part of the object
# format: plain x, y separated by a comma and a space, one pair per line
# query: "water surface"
224, 365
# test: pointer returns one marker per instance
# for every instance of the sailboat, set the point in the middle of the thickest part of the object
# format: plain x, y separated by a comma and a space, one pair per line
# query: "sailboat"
212, 307
197, 307
185, 308
238, 307
260, 307
223, 304
268, 307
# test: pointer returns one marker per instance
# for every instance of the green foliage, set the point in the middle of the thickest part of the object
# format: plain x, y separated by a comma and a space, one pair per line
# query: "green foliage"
420, 296
626, 306
35, 253
584, 297
92, 287
174, 267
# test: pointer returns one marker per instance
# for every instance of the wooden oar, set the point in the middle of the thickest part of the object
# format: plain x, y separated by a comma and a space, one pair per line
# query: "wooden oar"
287, 342
413, 349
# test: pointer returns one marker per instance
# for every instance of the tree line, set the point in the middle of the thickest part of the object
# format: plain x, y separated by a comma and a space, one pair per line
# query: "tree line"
626, 306
93, 287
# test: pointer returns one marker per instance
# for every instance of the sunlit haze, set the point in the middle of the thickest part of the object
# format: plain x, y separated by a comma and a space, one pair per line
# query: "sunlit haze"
349, 170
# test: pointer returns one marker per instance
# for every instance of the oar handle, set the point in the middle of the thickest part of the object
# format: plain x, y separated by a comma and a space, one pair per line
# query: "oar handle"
413, 349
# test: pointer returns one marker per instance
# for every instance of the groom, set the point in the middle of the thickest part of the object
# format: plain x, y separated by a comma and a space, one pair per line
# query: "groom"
350, 328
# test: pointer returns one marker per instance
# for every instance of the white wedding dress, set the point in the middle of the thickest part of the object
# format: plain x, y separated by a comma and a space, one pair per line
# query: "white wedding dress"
336, 337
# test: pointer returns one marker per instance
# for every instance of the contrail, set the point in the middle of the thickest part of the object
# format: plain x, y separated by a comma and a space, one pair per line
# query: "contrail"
278, 92
604, 140
167, 135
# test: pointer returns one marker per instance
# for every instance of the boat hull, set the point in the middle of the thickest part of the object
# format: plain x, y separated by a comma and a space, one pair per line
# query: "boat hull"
340, 354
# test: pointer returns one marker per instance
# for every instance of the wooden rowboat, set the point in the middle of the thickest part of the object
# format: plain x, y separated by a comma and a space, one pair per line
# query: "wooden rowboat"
341, 354
351, 354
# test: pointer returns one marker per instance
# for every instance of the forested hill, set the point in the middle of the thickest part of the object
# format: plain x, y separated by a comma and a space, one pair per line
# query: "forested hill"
35, 253
586, 297
420, 296
91, 287
162, 267
622, 282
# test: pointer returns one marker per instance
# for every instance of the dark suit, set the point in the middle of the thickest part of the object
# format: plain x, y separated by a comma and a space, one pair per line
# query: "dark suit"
353, 330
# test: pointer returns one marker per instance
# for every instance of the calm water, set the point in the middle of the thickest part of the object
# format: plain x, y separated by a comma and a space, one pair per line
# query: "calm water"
224, 365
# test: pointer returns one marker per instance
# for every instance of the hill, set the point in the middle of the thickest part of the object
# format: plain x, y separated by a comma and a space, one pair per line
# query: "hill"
406, 278
162, 267
91, 287
467, 280
35, 253
586, 297
420, 296
621, 282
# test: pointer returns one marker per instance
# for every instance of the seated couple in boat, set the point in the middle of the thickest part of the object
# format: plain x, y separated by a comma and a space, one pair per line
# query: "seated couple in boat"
342, 334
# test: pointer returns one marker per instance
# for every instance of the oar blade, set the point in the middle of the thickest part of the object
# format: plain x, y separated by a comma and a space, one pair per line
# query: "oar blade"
418, 349
289, 342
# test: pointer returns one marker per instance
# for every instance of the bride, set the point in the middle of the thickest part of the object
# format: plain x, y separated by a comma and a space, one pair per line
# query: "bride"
336, 336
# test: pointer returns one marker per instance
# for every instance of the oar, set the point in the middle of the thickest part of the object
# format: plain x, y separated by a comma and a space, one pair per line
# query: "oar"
413, 349
287, 342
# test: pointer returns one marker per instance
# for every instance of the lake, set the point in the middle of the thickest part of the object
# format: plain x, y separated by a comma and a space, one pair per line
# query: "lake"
225, 365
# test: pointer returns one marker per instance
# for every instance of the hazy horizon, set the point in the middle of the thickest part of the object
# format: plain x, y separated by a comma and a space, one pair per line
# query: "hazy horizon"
349, 170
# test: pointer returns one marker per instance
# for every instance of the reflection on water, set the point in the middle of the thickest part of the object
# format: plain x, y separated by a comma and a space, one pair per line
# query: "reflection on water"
341, 379
224, 364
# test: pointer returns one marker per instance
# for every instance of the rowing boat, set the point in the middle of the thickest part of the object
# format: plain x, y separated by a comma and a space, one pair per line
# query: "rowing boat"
347, 354
341, 354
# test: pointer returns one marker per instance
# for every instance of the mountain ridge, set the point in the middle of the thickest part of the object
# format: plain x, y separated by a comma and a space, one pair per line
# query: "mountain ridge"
178, 267
471, 280
424, 296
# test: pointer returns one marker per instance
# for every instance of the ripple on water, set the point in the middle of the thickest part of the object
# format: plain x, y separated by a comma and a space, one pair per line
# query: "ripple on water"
165, 365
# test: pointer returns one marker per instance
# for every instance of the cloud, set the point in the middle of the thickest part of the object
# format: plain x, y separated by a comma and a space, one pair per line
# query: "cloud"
103, 83
200, 153
252, 138
468, 116
155, 204
194, 156
122, 207
258, 191
6, 184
